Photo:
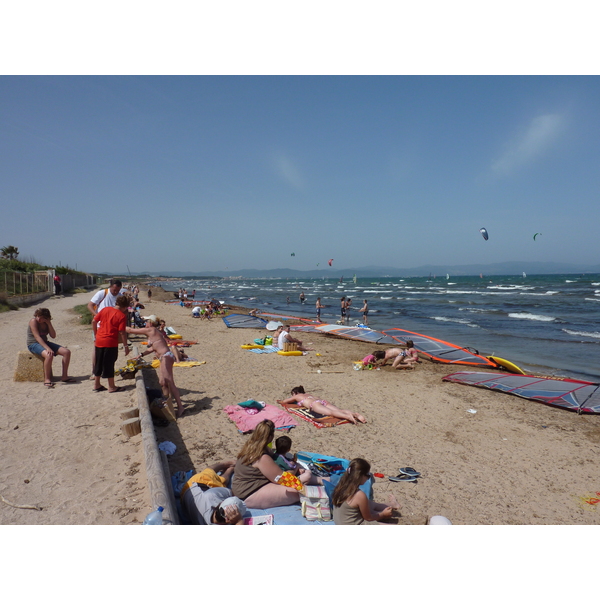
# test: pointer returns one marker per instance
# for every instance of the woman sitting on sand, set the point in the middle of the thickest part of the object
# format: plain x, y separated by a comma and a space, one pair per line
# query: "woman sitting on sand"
40, 327
351, 505
255, 473
318, 405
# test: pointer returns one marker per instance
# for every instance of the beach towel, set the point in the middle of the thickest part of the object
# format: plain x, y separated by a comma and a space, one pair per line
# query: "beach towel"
265, 350
246, 423
189, 363
316, 419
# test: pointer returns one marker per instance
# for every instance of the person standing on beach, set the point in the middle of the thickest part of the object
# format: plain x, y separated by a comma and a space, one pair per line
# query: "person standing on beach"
109, 326
319, 306
57, 285
343, 309
158, 344
365, 311
100, 300
149, 294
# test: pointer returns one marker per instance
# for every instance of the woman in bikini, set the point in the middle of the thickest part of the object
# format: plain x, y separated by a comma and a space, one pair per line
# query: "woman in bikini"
158, 344
318, 405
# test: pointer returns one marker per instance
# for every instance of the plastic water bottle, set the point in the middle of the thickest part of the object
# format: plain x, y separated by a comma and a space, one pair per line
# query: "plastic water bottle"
154, 518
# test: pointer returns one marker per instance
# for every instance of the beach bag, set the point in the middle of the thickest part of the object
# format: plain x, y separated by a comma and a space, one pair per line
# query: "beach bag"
315, 504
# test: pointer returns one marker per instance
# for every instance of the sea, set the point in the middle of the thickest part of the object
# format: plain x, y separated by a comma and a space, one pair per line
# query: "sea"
545, 324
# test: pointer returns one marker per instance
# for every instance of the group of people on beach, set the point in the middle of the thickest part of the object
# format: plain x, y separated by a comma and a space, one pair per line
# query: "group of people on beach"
110, 309
257, 472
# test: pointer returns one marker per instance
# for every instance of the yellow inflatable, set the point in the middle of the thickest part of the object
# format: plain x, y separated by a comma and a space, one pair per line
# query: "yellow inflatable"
290, 353
175, 336
250, 346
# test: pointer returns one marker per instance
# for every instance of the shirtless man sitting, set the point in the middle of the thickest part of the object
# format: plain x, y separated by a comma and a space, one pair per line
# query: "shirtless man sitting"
158, 344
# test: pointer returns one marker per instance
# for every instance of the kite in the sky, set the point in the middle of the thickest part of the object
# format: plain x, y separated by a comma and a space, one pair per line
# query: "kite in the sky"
536, 236
484, 233
330, 261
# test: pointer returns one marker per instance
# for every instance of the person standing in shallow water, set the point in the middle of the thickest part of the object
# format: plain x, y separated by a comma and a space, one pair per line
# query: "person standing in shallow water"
302, 298
365, 311
318, 307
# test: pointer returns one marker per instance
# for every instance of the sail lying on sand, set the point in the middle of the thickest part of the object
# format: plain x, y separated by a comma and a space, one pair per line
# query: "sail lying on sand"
237, 320
440, 351
361, 334
572, 394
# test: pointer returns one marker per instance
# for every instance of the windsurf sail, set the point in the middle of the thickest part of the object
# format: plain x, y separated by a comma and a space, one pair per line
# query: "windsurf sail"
285, 317
572, 394
361, 334
238, 320
440, 351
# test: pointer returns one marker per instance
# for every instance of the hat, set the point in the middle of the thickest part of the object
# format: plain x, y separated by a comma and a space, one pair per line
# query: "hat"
273, 325
152, 318
236, 502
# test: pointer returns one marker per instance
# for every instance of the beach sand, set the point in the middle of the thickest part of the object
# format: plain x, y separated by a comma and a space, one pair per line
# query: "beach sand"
512, 462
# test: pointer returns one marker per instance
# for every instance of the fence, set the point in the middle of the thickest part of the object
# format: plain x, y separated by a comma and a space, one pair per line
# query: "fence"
15, 283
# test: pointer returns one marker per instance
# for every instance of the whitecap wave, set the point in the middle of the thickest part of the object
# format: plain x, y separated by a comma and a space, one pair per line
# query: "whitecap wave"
451, 320
531, 317
593, 299
592, 334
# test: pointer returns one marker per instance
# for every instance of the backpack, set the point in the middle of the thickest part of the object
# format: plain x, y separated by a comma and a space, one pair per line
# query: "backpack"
97, 305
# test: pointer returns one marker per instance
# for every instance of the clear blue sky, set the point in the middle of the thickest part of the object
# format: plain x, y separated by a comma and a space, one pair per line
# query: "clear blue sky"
226, 172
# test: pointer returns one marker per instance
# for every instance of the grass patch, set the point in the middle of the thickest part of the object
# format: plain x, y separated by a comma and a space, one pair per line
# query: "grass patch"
5, 305
84, 313
79, 291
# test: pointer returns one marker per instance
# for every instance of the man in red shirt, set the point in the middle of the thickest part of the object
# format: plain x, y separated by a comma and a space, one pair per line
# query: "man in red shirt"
109, 325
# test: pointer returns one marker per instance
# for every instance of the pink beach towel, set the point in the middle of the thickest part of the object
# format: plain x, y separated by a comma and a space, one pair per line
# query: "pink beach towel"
246, 422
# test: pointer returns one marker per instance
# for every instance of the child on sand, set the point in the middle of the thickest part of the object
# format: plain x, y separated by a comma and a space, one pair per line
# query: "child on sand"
282, 458
351, 505
158, 344
109, 326
407, 358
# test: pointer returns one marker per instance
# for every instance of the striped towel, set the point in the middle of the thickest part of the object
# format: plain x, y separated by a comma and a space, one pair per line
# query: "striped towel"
265, 350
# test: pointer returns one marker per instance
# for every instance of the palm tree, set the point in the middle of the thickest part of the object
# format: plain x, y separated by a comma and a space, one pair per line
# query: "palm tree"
9, 252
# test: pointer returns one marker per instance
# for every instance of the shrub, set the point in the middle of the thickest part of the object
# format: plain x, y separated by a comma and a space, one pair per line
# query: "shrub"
85, 315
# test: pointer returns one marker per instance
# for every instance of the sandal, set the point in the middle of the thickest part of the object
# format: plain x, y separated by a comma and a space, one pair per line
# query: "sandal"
100, 389
68, 380
407, 478
410, 472
49, 384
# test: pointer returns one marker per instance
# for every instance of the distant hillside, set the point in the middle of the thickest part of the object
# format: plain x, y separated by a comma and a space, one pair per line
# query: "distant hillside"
504, 268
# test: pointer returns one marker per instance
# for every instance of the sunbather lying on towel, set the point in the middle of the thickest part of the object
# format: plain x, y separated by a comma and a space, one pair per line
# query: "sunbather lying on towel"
318, 405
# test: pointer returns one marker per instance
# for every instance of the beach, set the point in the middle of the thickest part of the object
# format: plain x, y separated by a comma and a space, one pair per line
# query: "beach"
510, 462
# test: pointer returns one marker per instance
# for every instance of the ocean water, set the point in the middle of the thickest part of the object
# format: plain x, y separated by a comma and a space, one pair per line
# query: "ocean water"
543, 323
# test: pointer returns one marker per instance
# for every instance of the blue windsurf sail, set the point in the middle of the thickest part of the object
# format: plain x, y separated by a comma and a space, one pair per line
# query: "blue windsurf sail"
238, 320
572, 394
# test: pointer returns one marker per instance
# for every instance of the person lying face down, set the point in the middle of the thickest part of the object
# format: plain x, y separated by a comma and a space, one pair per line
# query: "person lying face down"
320, 406
207, 500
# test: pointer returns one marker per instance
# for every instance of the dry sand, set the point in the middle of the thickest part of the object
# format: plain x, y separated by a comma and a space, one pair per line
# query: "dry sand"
512, 462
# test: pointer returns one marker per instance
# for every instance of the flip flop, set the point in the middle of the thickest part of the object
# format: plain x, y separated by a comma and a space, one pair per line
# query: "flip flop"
100, 389
119, 389
410, 472
49, 384
404, 478
69, 380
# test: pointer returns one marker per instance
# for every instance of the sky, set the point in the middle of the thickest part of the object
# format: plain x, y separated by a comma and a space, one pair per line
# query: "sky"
224, 172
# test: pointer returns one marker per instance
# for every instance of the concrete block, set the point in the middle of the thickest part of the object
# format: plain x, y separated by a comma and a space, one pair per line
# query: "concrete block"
30, 367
